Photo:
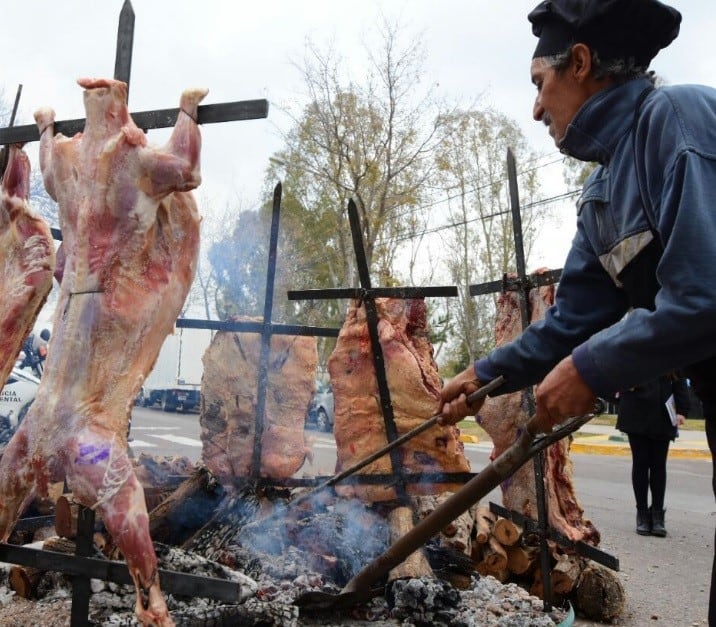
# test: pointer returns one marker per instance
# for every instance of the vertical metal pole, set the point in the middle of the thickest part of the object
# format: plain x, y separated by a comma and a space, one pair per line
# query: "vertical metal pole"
81, 589
371, 314
266, 334
5, 151
538, 460
125, 43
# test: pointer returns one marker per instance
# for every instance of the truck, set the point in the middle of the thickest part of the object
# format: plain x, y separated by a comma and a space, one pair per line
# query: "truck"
174, 384
183, 397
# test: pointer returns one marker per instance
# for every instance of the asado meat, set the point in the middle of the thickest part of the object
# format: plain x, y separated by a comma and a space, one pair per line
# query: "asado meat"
414, 385
503, 416
27, 260
229, 406
130, 241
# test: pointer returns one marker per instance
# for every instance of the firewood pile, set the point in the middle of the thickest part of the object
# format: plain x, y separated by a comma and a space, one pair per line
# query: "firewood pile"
500, 548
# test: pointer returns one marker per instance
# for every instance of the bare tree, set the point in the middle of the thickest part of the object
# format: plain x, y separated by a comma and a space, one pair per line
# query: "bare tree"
371, 141
473, 175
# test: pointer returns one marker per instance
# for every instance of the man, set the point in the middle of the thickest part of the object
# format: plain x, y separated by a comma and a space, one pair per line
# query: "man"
646, 226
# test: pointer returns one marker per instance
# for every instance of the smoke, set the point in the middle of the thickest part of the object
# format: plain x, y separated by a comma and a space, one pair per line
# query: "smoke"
336, 541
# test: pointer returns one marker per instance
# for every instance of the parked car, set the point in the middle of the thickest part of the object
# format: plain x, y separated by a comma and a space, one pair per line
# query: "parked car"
16, 397
320, 411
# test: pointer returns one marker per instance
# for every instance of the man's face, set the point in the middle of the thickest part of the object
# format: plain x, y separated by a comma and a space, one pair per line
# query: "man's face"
559, 97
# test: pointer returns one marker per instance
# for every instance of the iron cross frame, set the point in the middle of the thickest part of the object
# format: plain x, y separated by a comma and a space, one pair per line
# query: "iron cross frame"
522, 285
367, 295
81, 566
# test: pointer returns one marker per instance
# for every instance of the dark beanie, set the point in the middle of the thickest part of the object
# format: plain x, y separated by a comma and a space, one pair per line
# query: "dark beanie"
616, 29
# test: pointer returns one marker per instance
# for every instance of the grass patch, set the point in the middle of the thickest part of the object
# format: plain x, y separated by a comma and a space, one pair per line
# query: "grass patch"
470, 427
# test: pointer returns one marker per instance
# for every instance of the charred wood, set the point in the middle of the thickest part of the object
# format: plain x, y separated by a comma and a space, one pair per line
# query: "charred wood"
599, 594
186, 509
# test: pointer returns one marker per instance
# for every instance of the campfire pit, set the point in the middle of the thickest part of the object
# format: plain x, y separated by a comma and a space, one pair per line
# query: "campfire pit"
320, 549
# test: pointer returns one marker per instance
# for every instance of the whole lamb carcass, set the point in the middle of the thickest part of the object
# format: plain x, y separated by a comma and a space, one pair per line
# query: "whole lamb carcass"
27, 260
503, 416
130, 243
414, 385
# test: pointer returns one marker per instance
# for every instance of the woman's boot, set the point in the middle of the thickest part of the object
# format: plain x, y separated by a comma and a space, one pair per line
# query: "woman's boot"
643, 522
657, 523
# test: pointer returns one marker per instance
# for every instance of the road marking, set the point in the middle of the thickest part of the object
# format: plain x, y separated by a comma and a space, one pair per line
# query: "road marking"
154, 428
179, 439
141, 444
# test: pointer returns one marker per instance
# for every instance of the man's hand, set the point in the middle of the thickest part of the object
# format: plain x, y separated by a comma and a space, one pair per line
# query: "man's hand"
454, 397
562, 393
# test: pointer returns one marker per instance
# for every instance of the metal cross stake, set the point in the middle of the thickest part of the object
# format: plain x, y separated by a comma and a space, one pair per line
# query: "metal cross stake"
522, 285
161, 118
367, 295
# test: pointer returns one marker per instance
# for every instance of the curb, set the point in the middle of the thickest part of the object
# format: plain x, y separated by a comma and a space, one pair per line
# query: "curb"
610, 449
471, 439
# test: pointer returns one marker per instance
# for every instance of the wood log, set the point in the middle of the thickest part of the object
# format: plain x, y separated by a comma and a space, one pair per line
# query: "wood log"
45, 505
400, 520
66, 512
521, 560
495, 555
566, 572
484, 520
482, 568
506, 531
172, 511
502, 575
476, 552
461, 531
537, 587
60, 545
599, 594
24, 580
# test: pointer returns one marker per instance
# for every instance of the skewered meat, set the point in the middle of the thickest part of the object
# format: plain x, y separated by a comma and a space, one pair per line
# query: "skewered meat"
503, 416
27, 260
414, 386
130, 241
229, 404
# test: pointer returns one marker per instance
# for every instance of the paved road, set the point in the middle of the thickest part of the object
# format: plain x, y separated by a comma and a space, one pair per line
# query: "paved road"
666, 579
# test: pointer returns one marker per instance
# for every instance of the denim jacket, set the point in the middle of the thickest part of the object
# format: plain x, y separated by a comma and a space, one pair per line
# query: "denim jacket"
644, 241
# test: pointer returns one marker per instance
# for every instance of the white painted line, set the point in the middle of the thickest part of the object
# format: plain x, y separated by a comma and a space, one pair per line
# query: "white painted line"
179, 439
154, 428
325, 445
141, 444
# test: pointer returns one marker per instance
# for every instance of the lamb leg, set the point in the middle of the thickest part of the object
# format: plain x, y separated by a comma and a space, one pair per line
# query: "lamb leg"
102, 477
17, 482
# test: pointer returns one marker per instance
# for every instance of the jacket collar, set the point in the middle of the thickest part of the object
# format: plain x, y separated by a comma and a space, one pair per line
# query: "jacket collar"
601, 122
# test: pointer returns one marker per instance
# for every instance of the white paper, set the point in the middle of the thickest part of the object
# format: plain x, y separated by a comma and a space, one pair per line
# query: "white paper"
671, 408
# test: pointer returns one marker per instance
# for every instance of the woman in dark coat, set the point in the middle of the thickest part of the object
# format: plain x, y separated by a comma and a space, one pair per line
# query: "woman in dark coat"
645, 417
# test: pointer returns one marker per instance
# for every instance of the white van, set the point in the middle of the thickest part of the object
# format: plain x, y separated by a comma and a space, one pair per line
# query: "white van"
16, 397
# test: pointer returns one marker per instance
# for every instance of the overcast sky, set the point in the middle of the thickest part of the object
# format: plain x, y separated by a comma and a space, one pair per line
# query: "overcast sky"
245, 50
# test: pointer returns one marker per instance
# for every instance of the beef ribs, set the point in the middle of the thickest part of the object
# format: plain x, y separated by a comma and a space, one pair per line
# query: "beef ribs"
130, 242
27, 260
414, 385
503, 416
229, 389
